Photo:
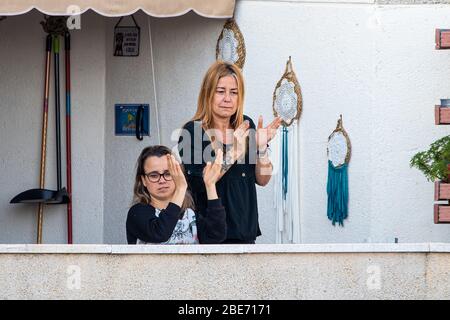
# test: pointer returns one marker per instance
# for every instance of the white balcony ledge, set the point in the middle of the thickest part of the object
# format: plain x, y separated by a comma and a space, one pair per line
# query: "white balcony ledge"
225, 249
262, 271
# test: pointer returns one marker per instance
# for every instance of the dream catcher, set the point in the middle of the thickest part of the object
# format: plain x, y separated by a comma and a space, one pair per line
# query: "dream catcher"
230, 45
339, 151
287, 104
287, 97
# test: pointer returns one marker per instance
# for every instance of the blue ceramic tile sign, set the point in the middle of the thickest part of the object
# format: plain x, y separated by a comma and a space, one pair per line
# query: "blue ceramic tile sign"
127, 119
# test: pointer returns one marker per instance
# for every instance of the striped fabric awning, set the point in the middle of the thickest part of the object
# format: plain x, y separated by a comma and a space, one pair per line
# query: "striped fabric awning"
115, 8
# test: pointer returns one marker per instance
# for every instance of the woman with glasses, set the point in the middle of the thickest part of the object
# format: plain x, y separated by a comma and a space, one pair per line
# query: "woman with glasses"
163, 210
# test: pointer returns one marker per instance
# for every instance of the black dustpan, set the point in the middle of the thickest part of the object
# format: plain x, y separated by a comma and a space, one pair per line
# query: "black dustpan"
42, 196
45, 196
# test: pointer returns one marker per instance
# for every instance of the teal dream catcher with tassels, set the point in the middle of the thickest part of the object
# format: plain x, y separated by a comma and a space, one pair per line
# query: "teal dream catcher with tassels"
339, 152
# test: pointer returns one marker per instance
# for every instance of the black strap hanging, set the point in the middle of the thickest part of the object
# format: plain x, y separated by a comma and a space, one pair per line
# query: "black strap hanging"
140, 123
120, 20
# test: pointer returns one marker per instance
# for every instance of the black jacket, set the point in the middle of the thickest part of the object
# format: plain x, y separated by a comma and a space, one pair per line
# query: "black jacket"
237, 188
142, 223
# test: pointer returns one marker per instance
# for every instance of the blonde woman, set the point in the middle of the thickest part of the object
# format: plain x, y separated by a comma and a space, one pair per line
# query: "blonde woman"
220, 124
164, 210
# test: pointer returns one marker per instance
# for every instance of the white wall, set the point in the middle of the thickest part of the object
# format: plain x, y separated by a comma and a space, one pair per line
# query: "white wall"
411, 77
375, 64
22, 56
128, 80
103, 164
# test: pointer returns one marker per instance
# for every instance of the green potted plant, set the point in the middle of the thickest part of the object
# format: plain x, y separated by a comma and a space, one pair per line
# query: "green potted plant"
435, 165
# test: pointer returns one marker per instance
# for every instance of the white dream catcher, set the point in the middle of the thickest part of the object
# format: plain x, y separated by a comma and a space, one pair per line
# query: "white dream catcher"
287, 104
230, 45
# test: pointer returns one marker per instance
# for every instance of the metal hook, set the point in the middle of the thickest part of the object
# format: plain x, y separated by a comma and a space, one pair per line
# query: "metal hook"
54, 25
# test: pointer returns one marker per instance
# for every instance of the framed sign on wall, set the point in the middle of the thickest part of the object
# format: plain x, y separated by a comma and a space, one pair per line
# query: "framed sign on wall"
132, 120
126, 39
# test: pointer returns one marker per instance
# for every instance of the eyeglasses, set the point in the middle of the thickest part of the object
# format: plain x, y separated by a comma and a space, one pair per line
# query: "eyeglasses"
155, 176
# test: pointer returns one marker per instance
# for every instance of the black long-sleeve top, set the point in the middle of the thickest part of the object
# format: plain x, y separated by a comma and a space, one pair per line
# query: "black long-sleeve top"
143, 224
237, 187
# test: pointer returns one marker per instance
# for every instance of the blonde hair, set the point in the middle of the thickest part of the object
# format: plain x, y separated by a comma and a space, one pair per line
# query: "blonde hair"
141, 194
218, 70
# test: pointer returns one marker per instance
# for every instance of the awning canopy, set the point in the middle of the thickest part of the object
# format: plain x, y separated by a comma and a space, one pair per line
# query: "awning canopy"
115, 8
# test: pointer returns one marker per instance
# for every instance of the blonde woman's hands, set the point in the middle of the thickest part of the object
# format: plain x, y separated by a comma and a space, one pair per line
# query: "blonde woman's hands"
265, 135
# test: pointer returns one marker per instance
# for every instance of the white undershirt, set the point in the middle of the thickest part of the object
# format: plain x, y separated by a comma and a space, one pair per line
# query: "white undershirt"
185, 231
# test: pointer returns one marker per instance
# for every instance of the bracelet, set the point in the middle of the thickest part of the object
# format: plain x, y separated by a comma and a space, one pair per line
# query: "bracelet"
267, 147
264, 153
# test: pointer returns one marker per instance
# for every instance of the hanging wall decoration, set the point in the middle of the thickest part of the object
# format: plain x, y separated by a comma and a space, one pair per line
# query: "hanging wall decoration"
287, 97
126, 39
230, 45
287, 104
339, 151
